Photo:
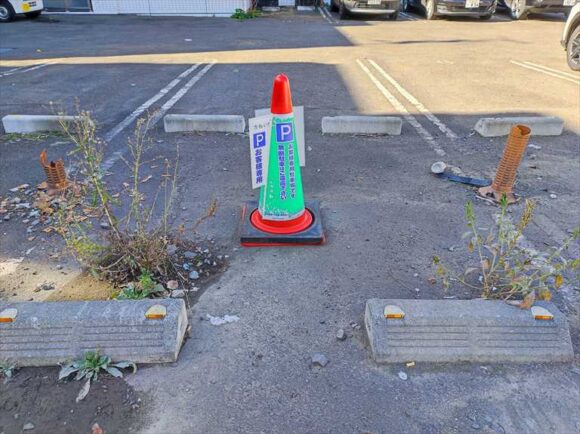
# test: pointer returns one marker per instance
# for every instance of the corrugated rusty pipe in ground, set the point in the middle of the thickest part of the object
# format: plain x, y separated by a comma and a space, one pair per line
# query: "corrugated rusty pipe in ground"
55, 174
508, 166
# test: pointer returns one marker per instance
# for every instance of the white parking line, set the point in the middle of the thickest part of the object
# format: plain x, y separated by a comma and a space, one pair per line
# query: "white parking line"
326, 15
401, 109
420, 107
23, 69
107, 164
566, 74
141, 109
409, 16
543, 71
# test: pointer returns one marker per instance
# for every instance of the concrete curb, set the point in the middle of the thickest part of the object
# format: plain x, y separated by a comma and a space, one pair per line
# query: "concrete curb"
34, 123
362, 125
50, 333
208, 123
540, 125
465, 331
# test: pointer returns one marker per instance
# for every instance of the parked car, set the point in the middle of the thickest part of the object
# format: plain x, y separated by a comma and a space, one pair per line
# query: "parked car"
519, 9
571, 38
389, 8
483, 9
9, 9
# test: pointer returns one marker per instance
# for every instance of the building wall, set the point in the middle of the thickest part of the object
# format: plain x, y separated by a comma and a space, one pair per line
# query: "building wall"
170, 7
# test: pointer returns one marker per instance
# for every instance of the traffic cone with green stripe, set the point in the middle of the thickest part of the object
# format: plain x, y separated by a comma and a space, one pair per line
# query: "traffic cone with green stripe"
282, 216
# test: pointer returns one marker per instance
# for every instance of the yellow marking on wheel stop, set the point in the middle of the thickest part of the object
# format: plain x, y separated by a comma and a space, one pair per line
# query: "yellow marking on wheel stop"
8, 315
156, 311
541, 313
393, 312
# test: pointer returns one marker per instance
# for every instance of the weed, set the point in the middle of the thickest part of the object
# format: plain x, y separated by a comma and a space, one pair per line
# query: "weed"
7, 369
89, 367
507, 269
241, 14
136, 245
145, 287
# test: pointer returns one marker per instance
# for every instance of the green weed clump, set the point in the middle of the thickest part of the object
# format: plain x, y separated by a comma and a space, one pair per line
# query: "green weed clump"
241, 14
504, 267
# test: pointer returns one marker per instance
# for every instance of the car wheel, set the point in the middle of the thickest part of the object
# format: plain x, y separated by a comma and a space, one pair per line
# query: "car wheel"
6, 12
573, 50
486, 17
405, 5
342, 12
430, 10
333, 7
518, 10
33, 15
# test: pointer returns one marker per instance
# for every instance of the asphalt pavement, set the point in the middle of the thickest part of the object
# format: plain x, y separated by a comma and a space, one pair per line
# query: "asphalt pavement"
385, 216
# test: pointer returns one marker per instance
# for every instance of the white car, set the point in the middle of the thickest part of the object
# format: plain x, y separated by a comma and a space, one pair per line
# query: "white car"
9, 9
571, 38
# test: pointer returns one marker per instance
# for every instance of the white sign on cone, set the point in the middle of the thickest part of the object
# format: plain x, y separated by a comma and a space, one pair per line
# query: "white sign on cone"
259, 129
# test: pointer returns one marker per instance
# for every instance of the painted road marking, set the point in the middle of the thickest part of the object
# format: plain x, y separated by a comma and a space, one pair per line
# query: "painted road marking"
420, 107
547, 72
409, 17
401, 109
566, 74
326, 15
23, 69
107, 164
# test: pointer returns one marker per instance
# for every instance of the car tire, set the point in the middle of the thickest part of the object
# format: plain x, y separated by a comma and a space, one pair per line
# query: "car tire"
333, 7
6, 12
33, 15
573, 50
486, 17
342, 12
430, 7
517, 10
405, 5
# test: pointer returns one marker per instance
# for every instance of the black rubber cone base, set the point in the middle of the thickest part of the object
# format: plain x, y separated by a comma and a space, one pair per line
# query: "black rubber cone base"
251, 236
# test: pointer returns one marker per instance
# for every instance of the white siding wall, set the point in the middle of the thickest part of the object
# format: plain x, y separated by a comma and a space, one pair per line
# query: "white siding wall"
173, 7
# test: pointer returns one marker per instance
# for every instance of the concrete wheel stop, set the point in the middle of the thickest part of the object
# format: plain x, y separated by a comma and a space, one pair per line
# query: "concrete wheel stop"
50, 333
466, 331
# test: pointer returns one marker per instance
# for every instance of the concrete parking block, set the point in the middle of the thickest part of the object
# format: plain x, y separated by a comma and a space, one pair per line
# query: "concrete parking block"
362, 125
34, 123
465, 331
540, 125
208, 123
50, 333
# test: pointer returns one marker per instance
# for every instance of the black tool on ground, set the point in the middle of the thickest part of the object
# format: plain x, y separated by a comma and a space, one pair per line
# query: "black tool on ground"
439, 169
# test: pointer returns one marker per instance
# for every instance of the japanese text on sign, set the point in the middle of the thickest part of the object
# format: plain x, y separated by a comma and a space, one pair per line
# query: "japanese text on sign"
259, 129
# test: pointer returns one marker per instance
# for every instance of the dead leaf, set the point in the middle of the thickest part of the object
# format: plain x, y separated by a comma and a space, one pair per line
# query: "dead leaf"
97, 429
48, 230
432, 280
31, 238
42, 186
559, 280
528, 301
545, 294
84, 391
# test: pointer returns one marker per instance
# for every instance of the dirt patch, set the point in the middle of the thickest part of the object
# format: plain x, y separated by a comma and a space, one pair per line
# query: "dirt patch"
33, 396
83, 287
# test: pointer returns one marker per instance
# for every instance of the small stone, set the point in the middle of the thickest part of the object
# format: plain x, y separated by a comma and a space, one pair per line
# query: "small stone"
186, 266
28, 427
172, 284
7, 217
171, 249
194, 275
104, 225
341, 335
575, 370
178, 293
417, 290
320, 360
15, 200
415, 274
475, 426
59, 267
553, 196
189, 255
532, 146
403, 376
24, 205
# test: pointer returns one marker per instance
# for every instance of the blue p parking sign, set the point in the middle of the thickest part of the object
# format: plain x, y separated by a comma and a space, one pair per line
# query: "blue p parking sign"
259, 140
284, 132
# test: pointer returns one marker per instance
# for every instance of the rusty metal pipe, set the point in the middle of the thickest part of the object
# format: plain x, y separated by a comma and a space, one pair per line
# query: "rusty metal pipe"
508, 166
56, 179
